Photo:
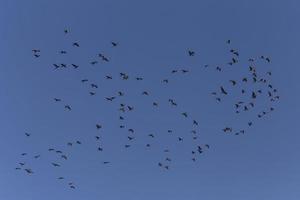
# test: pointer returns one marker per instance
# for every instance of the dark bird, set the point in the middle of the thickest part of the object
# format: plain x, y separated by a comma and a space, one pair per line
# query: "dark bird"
233, 82
36, 55
114, 44
145, 93
253, 95
78, 142
93, 62
227, 129
92, 93
98, 126
130, 108
195, 122
130, 138
36, 51
57, 100
191, 53
228, 41
94, 85
268, 60
165, 81
63, 65
75, 66
75, 44
110, 98
63, 52
64, 157
27, 134
155, 104
184, 71
108, 77
223, 90
29, 171
68, 107
249, 123
55, 164
234, 60
56, 66
131, 130
184, 114
106, 162
37, 156
84, 80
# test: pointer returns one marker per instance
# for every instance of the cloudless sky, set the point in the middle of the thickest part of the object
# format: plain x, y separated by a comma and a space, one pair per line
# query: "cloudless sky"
153, 37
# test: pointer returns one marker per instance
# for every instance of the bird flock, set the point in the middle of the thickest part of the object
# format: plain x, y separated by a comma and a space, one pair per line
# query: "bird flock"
252, 92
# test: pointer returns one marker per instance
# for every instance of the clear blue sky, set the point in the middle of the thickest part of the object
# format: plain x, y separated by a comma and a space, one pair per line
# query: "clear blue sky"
153, 37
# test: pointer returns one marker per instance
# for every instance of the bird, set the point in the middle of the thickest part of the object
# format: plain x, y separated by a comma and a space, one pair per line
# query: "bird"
98, 126
94, 85
75, 44
223, 90
57, 100
184, 114
114, 44
36, 51
78, 142
93, 62
75, 66
191, 53
145, 93
29, 171
227, 129
84, 80
55, 164
68, 107
27, 134
233, 82
155, 104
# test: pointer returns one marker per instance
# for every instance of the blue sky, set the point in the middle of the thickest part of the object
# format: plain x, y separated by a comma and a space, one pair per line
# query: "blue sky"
153, 37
